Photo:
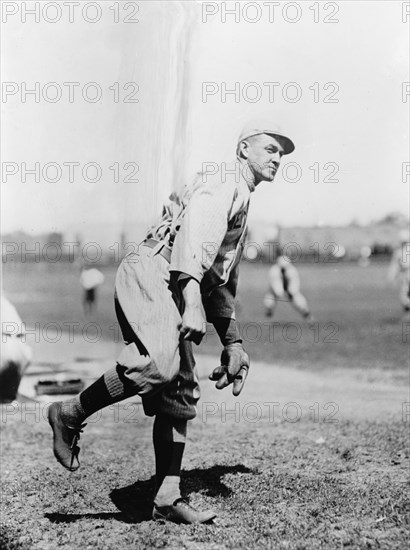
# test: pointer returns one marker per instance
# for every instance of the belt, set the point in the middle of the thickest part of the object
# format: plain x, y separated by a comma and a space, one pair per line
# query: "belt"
161, 247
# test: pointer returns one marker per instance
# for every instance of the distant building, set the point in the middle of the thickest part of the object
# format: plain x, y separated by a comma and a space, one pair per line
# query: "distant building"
327, 241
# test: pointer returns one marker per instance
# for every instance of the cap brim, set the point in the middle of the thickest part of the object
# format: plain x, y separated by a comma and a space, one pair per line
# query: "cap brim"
287, 144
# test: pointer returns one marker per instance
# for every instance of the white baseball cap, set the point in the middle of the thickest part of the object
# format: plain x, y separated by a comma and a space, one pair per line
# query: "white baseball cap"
263, 126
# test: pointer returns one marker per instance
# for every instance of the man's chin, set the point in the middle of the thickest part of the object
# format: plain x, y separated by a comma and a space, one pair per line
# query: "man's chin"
268, 177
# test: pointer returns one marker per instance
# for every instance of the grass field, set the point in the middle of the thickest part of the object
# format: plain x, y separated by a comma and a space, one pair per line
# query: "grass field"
358, 315
275, 483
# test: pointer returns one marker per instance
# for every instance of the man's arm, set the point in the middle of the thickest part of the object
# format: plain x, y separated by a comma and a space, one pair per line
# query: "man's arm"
227, 330
193, 319
221, 303
193, 326
203, 229
220, 310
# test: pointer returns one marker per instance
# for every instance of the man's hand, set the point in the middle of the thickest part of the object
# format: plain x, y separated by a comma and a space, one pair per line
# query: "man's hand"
193, 325
234, 368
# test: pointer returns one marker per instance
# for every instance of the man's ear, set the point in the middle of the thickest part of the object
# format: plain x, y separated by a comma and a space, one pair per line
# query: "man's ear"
244, 149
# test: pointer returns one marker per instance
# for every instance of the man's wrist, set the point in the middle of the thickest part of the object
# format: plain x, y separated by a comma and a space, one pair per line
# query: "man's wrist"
191, 292
227, 330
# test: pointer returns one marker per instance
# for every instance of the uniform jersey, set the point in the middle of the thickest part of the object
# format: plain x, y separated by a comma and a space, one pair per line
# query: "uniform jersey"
205, 226
284, 278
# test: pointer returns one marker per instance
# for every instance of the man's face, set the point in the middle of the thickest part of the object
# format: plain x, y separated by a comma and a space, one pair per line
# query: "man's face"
263, 154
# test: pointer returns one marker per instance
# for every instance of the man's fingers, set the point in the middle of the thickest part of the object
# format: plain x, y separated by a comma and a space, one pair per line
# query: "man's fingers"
243, 373
183, 329
224, 378
239, 381
237, 386
191, 334
233, 371
197, 338
222, 382
217, 373
194, 336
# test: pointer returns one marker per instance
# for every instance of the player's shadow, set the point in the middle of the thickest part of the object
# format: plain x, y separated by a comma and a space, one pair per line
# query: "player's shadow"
134, 502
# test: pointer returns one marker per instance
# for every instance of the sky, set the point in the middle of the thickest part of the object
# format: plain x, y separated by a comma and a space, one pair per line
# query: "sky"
172, 54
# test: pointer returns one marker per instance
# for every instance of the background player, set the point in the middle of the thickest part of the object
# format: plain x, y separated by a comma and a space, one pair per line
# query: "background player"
284, 281
400, 270
15, 353
90, 280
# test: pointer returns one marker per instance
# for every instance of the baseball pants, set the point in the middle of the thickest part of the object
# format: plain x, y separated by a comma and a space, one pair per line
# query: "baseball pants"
156, 363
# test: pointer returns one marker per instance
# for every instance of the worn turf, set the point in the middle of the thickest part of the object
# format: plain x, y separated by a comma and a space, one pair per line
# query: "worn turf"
310, 481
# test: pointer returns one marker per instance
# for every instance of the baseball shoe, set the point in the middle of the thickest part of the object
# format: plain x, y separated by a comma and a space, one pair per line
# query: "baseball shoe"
181, 512
65, 438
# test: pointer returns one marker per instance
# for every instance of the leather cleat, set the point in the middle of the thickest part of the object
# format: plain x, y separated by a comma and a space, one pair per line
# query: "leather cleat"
65, 438
181, 512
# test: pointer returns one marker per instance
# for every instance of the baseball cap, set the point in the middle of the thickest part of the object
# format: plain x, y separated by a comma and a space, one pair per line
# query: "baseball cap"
263, 126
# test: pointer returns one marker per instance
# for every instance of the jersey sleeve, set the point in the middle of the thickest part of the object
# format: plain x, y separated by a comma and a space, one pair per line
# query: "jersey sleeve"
221, 302
203, 229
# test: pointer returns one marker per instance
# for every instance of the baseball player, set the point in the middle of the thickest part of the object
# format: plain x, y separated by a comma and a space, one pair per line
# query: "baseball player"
15, 353
90, 280
184, 273
399, 270
284, 281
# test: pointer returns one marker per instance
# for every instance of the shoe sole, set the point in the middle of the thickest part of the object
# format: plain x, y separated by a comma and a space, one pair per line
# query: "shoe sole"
157, 516
53, 420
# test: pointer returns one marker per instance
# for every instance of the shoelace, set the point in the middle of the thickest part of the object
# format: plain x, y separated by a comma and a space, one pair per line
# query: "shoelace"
75, 449
182, 501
